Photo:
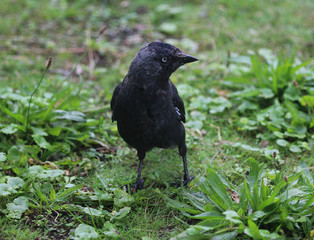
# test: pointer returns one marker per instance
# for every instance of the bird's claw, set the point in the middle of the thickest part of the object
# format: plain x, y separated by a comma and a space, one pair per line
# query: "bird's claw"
184, 183
139, 184
187, 180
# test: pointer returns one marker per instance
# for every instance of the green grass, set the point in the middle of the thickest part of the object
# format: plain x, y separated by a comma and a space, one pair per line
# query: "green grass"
230, 115
17, 231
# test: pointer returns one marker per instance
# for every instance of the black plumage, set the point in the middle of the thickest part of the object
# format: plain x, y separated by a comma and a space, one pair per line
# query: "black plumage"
146, 105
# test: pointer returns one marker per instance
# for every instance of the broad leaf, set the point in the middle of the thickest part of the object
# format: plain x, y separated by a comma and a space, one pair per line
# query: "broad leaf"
84, 231
122, 198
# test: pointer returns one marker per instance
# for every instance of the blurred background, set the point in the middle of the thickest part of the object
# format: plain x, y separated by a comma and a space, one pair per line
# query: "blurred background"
108, 33
65, 29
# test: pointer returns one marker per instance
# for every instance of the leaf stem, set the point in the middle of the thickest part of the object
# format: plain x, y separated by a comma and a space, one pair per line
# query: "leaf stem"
30, 100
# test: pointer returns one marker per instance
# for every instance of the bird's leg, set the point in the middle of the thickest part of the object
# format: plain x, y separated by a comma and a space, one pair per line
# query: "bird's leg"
139, 181
187, 178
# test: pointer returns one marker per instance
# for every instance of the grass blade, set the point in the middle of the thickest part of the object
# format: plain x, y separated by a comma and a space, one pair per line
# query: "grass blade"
219, 188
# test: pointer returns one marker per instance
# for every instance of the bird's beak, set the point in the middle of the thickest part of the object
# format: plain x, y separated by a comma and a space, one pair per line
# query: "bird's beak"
185, 58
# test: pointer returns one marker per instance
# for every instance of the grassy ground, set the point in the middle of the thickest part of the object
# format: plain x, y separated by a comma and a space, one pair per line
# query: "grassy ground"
92, 44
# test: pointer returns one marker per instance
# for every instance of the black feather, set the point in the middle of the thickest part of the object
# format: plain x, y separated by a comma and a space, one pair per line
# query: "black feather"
147, 106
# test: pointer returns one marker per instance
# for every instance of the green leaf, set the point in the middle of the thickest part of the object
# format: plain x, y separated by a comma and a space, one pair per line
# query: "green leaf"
168, 27
246, 105
15, 182
2, 157
248, 194
309, 203
245, 93
294, 135
293, 111
52, 195
110, 230
68, 191
257, 215
34, 170
10, 129
14, 154
253, 230
306, 146
84, 231
194, 233
272, 196
122, 198
19, 117
216, 189
217, 109
54, 131
307, 173
12, 96
298, 127
256, 196
72, 207
267, 54
17, 207
270, 153
38, 132
122, 213
196, 124
236, 58
69, 115
225, 236
52, 174
219, 105
282, 142
146, 238
40, 172
278, 134
249, 148
103, 196
264, 191
254, 172
41, 141
266, 93
307, 100
294, 148
39, 193
267, 235
232, 216
92, 211
199, 201
292, 93
200, 102
211, 218
181, 206
5, 189
292, 192
187, 91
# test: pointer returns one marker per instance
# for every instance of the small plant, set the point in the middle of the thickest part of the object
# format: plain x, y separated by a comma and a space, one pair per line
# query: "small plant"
274, 96
52, 122
267, 205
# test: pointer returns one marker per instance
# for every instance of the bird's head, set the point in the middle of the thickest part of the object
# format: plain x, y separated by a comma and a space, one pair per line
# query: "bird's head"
160, 60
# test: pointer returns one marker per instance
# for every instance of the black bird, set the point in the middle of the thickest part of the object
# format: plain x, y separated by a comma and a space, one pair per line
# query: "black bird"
146, 105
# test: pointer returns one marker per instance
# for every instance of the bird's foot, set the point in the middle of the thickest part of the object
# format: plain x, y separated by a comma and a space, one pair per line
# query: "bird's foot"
139, 184
187, 180
184, 183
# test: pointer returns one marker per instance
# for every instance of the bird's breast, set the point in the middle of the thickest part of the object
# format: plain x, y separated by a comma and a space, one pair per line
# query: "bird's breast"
149, 120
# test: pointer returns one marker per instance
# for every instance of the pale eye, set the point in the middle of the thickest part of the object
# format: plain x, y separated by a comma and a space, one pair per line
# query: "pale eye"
164, 59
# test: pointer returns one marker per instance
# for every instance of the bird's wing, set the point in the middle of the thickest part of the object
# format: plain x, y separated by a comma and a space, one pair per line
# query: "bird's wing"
114, 100
177, 102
